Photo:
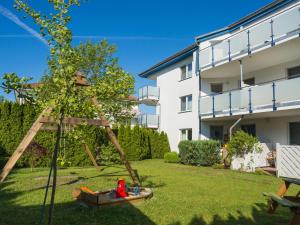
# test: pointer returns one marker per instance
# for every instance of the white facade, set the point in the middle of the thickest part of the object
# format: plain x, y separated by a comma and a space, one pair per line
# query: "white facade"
263, 50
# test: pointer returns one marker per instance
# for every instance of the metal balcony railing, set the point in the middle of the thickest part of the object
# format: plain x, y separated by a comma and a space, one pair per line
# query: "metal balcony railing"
149, 121
272, 96
266, 33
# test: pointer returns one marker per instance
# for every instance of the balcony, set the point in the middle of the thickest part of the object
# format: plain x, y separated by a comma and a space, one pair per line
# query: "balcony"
267, 33
273, 96
148, 95
149, 121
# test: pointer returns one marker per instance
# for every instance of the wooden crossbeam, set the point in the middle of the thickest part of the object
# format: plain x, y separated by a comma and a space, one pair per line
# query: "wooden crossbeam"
74, 121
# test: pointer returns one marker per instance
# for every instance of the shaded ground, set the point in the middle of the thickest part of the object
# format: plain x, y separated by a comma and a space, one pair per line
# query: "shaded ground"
182, 195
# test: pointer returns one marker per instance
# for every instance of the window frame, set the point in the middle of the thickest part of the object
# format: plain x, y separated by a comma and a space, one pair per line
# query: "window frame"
188, 73
211, 84
187, 130
293, 76
289, 131
186, 97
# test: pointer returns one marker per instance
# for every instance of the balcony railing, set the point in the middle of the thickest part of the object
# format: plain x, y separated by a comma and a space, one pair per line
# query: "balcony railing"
276, 95
266, 33
148, 95
149, 121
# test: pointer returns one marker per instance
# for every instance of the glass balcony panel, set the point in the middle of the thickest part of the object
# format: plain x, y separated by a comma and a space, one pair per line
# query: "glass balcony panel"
147, 120
153, 92
260, 34
148, 92
205, 57
206, 105
239, 44
286, 23
287, 90
222, 103
221, 51
262, 96
240, 100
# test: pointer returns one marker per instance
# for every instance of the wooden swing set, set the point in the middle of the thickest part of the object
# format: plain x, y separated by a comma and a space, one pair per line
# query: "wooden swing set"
46, 122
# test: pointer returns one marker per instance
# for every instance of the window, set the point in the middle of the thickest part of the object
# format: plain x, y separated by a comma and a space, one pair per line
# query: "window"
216, 88
249, 128
189, 70
295, 133
216, 133
186, 103
186, 71
250, 81
294, 72
186, 134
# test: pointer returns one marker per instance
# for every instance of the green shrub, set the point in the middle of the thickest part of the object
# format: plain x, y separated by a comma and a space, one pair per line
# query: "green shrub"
15, 121
109, 154
171, 157
199, 153
242, 143
218, 166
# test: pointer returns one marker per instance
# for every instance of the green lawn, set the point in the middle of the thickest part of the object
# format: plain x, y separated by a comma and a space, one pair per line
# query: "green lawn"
182, 195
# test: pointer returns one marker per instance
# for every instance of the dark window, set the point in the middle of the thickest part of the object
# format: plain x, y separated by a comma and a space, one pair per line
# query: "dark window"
250, 81
294, 72
186, 103
183, 72
216, 133
189, 69
249, 128
186, 134
295, 133
216, 88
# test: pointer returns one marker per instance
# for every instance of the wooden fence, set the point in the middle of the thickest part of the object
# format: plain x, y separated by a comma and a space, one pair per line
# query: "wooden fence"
288, 161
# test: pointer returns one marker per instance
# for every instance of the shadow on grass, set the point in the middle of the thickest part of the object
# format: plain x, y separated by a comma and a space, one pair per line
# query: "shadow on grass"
69, 213
259, 216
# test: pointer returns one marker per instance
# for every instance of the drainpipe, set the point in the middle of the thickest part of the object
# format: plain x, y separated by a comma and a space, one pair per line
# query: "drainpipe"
233, 126
198, 73
241, 74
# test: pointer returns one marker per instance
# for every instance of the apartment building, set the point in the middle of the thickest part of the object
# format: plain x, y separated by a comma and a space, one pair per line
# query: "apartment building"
244, 76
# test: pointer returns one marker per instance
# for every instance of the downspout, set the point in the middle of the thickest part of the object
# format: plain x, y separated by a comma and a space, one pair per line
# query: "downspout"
198, 73
241, 74
233, 126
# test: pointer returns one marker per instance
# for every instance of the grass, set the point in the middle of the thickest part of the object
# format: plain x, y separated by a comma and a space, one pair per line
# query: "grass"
182, 195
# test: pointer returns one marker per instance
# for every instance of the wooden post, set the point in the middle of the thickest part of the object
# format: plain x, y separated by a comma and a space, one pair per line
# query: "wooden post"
36, 126
89, 153
115, 142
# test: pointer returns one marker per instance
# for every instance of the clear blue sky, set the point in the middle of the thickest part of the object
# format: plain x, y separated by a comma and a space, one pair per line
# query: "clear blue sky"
144, 31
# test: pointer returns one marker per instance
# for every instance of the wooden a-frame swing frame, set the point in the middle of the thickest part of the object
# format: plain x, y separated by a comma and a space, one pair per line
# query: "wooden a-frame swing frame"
44, 119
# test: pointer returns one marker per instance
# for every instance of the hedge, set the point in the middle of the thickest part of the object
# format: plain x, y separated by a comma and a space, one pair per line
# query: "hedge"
199, 153
138, 143
171, 157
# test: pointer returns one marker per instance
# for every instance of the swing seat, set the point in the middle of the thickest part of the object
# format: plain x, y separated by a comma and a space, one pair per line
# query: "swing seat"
106, 198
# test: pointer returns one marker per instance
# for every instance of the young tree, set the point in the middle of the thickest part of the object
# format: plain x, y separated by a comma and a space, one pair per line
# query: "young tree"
109, 83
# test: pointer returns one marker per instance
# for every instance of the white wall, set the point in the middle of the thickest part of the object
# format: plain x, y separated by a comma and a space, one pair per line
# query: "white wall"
268, 129
252, 160
171, 89
261, 76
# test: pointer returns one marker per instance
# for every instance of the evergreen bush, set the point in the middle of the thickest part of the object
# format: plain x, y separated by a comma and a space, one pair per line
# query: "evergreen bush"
138, 143
171, 157
199, 153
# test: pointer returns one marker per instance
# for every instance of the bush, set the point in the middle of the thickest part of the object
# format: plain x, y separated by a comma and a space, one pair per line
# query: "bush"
199, 153
171, 157
242, 143
218, 166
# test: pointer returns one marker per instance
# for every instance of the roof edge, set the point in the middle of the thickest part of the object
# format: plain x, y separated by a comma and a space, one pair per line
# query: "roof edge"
269, 8
169, 61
